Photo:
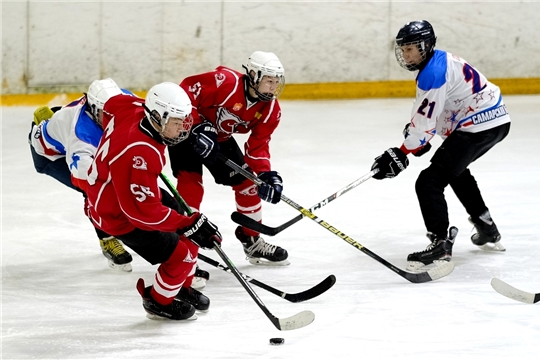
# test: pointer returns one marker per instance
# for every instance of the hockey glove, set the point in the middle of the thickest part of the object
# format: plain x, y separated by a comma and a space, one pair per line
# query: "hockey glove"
42, 113
272, 186
205, 142
390, 163
420, 151
202, 232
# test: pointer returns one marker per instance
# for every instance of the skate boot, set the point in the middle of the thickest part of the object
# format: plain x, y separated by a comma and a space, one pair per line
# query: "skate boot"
194, 297
487, 236
259, 252
440, 249
200, 278
177, 310
114, 251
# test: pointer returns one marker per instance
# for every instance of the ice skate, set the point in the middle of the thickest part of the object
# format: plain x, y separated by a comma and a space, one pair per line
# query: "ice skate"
259, 252
200, 278
438, 250
177, 310
487, 236
194, 297
113, 250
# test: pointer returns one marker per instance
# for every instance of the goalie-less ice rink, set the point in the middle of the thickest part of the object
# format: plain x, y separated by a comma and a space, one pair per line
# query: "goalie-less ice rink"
60, 300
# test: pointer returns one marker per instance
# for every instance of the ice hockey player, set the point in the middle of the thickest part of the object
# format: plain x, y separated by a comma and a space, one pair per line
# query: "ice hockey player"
227, 102
125, 199
63, 144
457, 102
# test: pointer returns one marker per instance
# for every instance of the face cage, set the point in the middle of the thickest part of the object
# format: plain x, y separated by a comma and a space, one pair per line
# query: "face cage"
420, 45
186, 128
267, 96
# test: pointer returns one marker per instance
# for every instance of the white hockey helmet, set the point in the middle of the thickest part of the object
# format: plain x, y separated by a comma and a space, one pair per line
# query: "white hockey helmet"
261, 64
165, 101
98, 93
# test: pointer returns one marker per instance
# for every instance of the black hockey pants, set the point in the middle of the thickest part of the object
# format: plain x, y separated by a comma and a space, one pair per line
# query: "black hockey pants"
449, 166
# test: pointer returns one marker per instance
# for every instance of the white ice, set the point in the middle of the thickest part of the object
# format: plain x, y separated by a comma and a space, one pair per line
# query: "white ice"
60, 300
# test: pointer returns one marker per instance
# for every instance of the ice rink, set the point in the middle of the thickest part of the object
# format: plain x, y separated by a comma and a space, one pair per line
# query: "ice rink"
60, 300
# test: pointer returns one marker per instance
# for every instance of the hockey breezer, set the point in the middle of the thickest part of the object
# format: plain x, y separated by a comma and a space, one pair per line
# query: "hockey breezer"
414, 277
515, 294
244, 220
294, 322
308, 294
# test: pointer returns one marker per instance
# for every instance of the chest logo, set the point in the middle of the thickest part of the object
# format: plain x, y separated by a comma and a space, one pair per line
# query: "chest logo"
228, 122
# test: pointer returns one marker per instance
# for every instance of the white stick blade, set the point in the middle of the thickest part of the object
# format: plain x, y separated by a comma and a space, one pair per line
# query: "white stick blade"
442, 269
511, 292
297, 321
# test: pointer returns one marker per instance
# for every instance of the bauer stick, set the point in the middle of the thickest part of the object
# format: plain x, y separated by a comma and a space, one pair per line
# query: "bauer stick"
297, 321
248, 222
414, 277
516, 294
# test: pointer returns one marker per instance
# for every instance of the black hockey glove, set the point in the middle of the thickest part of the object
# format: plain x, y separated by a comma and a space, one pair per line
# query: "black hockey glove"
390, 163
205, 141
272, 186
202, 232
421, 151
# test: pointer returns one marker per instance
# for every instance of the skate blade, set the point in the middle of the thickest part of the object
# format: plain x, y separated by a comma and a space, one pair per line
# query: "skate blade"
161, 318
120, 267
264, 262
497, 247
198, 283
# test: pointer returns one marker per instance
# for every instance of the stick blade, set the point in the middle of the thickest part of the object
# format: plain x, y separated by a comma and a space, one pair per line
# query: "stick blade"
297, 321
315, 291
515, 294
442, 269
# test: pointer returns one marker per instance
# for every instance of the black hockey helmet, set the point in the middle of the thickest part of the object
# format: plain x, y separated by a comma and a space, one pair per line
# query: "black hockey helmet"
419, 33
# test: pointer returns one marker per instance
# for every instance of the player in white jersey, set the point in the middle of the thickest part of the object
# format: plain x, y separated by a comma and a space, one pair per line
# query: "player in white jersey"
63, 144
457, 102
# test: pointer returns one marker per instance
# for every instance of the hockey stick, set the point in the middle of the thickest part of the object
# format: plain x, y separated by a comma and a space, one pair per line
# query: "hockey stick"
248, 222
414, 277
297, 321
308, 294
511, 292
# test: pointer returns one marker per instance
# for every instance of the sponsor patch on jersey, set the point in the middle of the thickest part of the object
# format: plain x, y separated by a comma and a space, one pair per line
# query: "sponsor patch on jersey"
220, 78
139, 163
489, 115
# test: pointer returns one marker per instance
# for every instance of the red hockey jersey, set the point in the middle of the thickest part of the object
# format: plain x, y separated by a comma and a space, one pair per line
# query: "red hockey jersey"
123, 191
220, 97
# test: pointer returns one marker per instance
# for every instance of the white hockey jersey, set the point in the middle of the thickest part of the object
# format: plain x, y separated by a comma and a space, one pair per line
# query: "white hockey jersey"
69, 133
451, 95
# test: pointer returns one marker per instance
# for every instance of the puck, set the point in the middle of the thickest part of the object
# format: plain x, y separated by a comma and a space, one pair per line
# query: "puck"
277, 341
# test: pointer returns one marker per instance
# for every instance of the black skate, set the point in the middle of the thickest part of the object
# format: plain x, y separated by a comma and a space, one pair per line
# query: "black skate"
113, 250
177, 310
200, 278
259, 252
438, 250
194, 297
487, 236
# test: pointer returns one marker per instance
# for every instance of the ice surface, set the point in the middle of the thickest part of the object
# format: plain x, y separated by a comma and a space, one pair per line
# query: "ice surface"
60, 300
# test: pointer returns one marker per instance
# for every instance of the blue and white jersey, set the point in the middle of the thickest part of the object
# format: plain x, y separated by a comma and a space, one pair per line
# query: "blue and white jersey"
70, 133
451, 95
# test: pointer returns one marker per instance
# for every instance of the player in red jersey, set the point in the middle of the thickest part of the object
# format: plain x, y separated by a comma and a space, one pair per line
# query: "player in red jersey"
227, 102
126, 201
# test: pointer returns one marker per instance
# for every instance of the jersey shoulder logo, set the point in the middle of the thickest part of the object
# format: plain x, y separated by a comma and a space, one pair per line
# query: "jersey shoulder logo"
220, 78
139, 163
